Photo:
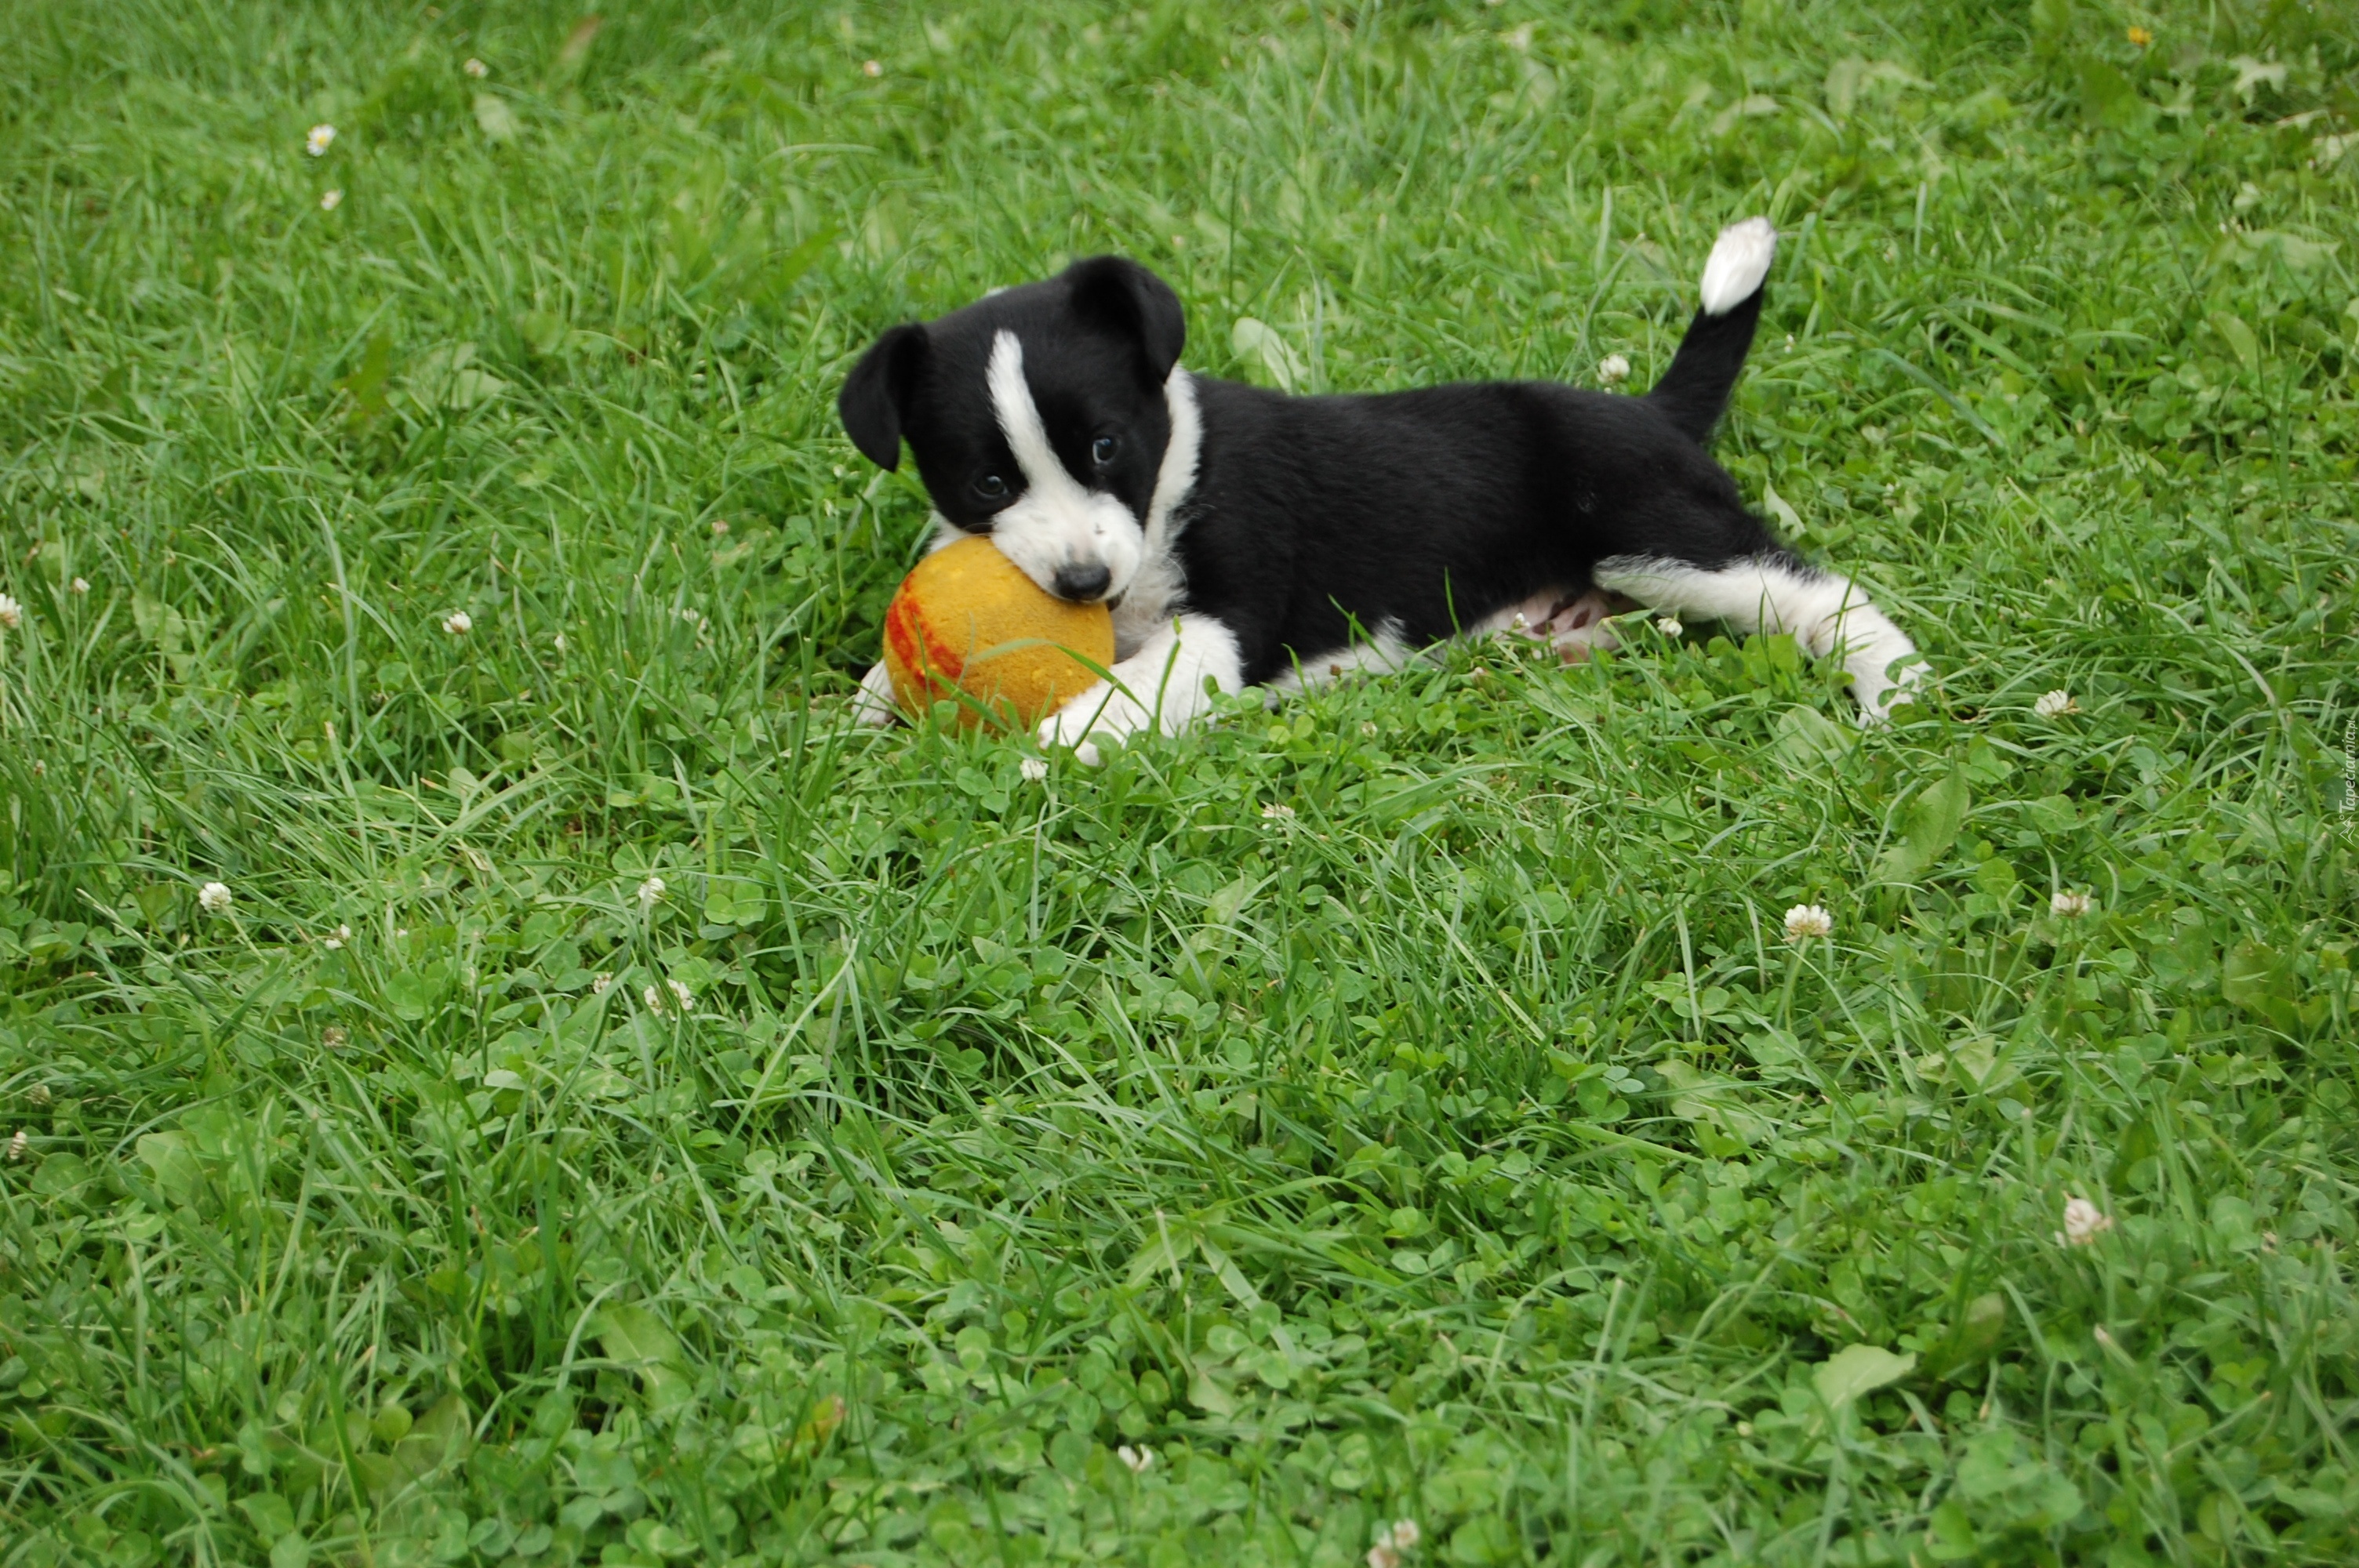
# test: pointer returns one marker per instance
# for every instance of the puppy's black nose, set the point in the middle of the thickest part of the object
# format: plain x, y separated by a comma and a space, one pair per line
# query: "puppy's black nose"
1083, 584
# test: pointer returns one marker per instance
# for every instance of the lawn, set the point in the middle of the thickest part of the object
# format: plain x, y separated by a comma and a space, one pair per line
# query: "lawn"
614, 1110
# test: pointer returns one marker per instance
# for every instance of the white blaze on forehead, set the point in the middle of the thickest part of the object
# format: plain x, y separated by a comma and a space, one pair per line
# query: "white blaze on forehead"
1057, 521
1020, 421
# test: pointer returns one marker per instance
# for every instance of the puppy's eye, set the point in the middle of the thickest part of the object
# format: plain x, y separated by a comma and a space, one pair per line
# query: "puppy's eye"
1101, 451
991, 487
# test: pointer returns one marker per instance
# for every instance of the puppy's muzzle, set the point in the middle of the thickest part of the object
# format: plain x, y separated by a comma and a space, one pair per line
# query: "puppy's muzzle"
1083, 583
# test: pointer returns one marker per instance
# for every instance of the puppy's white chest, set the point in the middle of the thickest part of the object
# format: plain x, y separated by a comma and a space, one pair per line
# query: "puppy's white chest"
1153, 596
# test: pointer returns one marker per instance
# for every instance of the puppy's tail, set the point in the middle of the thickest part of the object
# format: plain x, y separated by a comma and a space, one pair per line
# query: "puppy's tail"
1694, 391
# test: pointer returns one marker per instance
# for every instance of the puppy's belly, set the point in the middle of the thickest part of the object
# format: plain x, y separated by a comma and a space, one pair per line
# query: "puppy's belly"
1574, 624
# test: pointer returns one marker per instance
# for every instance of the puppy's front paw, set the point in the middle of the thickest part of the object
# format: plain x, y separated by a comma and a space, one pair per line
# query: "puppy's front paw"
873, 703
1102, 711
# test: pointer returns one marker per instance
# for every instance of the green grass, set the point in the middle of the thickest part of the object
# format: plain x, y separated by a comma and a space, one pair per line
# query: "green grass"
1468, 1146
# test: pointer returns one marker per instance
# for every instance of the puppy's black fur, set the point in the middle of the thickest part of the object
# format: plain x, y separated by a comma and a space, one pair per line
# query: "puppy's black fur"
1430, 510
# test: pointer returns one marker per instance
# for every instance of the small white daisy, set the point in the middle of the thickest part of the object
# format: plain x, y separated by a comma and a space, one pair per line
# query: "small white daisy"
1807, 920
81, 585
330, 199
2083, 1223
872, 68
458, 623
317, 142
214, 898
2055, 703
476, 69
2070, 905
649, 891
1138, 1459
1669, 626
1277, 812
336, 938
12, 614
1034, 769
1613, 370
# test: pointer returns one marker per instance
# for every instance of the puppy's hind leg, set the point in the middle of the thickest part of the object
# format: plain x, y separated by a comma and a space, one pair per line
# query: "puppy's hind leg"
1774, 591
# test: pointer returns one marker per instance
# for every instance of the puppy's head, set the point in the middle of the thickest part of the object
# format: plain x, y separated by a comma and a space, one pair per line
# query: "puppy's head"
1036, 416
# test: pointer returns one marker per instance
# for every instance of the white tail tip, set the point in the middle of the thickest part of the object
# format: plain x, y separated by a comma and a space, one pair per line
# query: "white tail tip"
1739, 261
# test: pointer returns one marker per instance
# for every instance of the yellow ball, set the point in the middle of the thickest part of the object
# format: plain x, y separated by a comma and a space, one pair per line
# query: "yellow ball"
967, 620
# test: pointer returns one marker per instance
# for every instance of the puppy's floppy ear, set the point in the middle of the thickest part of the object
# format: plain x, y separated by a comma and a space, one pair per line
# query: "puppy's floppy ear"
1118, 293
877, 392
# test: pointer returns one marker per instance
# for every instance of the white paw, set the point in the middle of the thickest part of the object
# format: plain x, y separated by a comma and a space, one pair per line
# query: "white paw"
1878, 693
873, 703
1102, 711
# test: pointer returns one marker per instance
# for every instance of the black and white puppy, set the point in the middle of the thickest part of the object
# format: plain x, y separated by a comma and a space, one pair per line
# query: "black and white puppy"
1246, 538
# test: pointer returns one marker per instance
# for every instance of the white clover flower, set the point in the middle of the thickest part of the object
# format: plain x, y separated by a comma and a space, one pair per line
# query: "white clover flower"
1807, 920
12, 614
1613, 370
1138, 1459
17, 1146
476, 69
600, 982
81, 585
214, 898
319, 141
1669, 626
2070, 905
653, 997
872, 68
458, 623
2083, 1223
334, 1038
1277, 811
649, 891
2055, 703
559, 642
336, 938
1034, 769
1400, 1536
330, 199
681, 994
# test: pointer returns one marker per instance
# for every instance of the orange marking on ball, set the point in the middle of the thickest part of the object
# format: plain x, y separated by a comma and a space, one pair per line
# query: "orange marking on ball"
967, 620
